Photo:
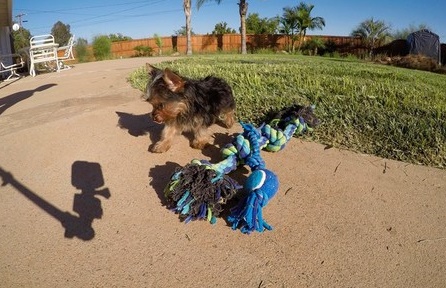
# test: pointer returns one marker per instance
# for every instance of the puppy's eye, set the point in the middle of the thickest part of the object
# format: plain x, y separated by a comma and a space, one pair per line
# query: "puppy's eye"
160, 106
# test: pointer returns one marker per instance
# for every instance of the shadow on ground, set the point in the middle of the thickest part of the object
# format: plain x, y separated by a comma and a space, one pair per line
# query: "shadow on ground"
160, 177
10, 100
87, 177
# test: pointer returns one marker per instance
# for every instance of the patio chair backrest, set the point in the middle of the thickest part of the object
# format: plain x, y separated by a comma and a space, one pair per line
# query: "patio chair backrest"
40, 40
69, 49
68, 54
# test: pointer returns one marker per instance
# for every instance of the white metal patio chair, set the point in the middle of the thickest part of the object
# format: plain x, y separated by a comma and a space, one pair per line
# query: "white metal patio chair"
42, 49
68, 54
11, 68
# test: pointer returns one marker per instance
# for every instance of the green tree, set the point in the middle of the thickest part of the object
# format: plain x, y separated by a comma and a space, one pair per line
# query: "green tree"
183, 31
289, 26
61, 33
257, 25
372, 32
222, 28
306, 21
243, 10
118, 37
21, 38
403, 33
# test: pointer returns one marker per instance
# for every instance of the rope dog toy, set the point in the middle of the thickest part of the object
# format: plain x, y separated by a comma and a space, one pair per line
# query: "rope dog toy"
199, 190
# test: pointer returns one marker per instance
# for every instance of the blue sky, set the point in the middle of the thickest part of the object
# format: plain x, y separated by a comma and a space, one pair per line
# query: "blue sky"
142, 19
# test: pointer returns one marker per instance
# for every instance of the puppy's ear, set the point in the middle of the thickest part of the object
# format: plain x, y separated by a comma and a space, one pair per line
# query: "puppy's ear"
173, 81
152, 70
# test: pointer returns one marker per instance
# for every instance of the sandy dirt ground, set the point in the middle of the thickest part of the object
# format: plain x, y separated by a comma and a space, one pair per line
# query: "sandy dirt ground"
81, 201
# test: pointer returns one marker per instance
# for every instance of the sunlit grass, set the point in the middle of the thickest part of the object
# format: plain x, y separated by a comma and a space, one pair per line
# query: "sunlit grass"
390, 112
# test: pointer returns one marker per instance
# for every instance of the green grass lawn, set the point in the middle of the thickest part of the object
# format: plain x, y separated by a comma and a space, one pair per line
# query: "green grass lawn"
390, 112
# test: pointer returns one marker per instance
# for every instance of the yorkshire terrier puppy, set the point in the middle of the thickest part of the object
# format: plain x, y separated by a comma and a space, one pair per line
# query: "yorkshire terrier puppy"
184, 104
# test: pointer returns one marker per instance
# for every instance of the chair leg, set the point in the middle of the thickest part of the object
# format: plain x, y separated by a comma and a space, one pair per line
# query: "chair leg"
57, 66
32, 69
62, 65
13, 73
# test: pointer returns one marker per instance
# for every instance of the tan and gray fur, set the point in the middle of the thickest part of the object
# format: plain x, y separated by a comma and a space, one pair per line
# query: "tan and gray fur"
184, 104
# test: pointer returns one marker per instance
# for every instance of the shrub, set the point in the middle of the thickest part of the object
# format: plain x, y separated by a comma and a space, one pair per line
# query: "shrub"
142, 51
102, 47
329, 48
81, 50
312, 46
263, 51
159, 43
418, 62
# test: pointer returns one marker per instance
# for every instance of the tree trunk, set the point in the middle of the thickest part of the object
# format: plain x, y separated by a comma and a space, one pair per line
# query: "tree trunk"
302, 34
293, 42
188, 13
243, 10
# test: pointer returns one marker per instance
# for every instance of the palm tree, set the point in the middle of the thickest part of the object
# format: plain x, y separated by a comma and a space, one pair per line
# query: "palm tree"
372, 32
305, 21
188, 13
289, 26
243, 10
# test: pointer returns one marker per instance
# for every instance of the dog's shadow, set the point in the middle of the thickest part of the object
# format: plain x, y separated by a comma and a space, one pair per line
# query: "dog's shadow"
213, 151
160, 176
139, 125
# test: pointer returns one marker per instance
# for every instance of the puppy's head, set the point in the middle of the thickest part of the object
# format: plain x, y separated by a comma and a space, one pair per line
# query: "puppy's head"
165, 92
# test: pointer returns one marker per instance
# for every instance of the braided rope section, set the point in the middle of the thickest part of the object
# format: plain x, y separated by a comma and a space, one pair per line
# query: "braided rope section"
200, 189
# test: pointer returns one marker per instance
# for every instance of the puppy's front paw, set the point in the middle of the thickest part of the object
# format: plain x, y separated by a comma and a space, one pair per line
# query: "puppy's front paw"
159, 147
199, 144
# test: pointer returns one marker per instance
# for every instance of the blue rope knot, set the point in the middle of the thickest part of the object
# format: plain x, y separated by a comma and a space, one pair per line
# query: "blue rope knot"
261, 185
253, 160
